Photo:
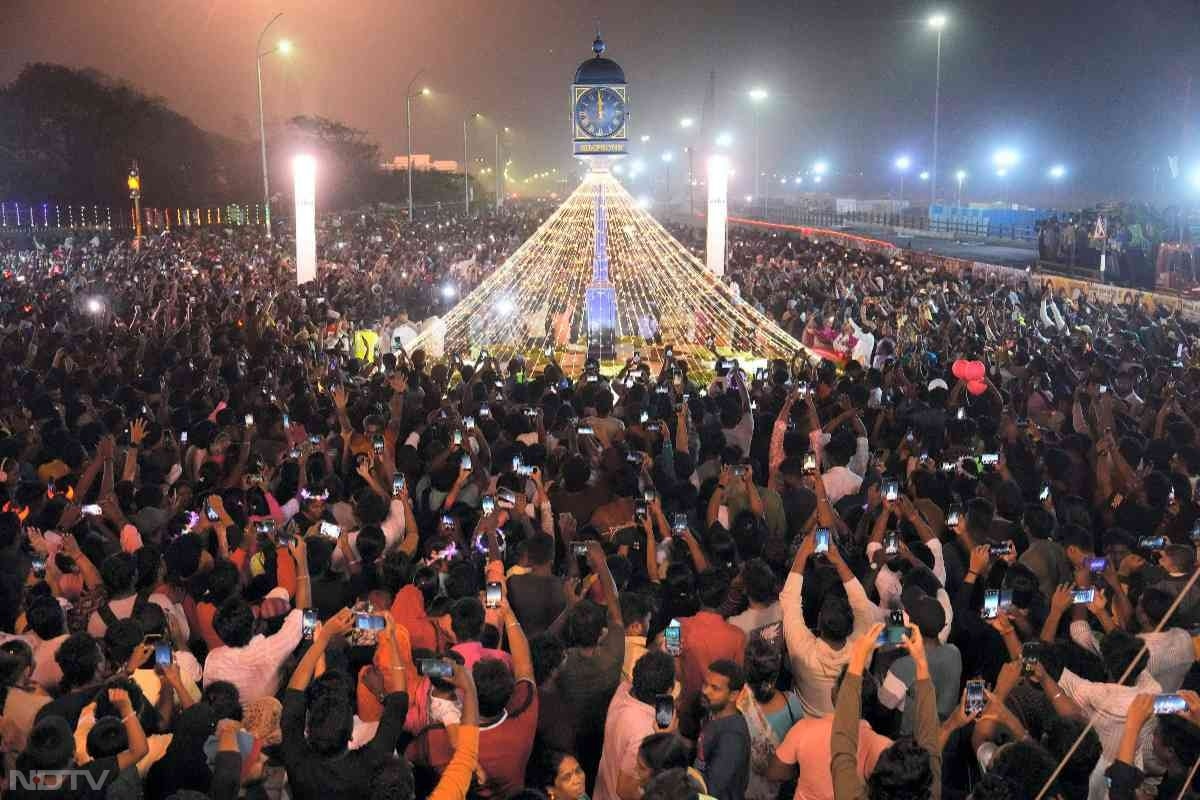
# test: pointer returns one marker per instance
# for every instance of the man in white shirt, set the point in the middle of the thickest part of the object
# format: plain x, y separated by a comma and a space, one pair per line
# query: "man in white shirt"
251, 661
817, 659
403, 333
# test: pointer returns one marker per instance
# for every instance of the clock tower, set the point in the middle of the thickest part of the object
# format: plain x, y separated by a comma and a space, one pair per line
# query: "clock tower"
599, 115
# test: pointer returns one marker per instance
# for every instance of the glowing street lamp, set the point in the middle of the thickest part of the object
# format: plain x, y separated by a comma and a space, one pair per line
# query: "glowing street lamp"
283, 48
687, 122
724, 139
961, 177
820, 168
924, 175
1005, 158
134, 182
408, 98
1057, 172
645, 138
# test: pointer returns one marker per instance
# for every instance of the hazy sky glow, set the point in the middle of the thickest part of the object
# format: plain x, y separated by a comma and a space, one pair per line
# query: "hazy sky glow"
1099, 87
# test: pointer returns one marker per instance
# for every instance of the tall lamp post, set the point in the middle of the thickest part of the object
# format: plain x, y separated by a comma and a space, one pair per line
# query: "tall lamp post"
685, 123
666, 157
500, 170
284, 47
134, 182
937, 22
408, 98
902, 165
960, 176
467, 164
757, 96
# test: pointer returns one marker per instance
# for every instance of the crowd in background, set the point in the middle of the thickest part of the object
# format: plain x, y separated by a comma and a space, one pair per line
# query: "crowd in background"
251, 544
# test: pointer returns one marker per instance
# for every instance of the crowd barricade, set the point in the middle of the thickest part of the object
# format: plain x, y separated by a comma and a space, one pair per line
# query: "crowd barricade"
1012, 276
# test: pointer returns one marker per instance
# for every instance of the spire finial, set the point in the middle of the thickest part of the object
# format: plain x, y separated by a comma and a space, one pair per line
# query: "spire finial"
598, 45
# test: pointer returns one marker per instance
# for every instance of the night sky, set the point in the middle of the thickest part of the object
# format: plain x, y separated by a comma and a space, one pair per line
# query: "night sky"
1098, 86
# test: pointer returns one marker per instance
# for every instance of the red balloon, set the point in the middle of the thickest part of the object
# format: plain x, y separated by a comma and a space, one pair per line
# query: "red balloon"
974, 371
977, 387
959, 369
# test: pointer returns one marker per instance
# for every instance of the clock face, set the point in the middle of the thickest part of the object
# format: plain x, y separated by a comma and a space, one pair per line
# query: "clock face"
600, 112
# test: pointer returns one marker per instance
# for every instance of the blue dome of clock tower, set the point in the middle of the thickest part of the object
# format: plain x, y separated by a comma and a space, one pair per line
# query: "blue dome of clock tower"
599, 71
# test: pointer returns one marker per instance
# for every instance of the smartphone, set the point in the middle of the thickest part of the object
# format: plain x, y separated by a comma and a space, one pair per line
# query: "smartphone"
458, 438
961, 414
506, 498
954, 515
491, 595
976, 701
162, 654
249, 420
810, 463
1005, 599
1029, 657
891, 636
525, 471
488, 504
1045, 494
308, 623
991, 604
469, 423
1103, 388
673, 638
37, 565
484, 410
644, 418
679, 522
1081, 597
464, 463
331, 530
998, 550
436, 668
183, 437
584, 430
1196, 531
989, 459
949, 466
397, 483
1097, 564
265, 526
739, 470
891, 543
377, 443
91, 510
821, 542
664, 711
369, 622
283, 539
1152, 542
1169, 704
891, 489
210, 513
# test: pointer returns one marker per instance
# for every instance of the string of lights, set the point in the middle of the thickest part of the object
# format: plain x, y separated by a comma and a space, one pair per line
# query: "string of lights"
533, 304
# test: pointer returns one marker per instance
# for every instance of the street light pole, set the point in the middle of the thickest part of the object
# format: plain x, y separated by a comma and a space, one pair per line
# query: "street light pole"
466, 172
408, 96
960, 176
134, 182
262, 126
499, 173
937, 22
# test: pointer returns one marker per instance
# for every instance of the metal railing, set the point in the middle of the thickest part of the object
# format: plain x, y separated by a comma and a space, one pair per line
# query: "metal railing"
47, 216
910, 221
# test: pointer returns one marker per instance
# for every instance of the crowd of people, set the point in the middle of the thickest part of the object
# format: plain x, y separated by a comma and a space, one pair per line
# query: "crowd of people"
254, 545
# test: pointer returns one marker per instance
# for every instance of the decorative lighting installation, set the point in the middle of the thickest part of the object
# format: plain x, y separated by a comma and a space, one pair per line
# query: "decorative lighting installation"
536, 301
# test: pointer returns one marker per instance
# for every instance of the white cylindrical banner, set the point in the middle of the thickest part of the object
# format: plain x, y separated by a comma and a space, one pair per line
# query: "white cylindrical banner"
718, 184
304, 171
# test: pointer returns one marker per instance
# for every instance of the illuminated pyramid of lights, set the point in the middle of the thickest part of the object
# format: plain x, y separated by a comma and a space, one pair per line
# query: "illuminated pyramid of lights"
602, 277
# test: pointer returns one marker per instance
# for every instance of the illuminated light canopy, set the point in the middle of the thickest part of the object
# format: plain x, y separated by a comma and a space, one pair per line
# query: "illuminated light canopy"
820, 168
924, 176
304, 176
536, 299
961, 175
817, 179
1005, 158
645, 137
758, 94
903, 163
937, 21
1058, 172
448, 291
686, 122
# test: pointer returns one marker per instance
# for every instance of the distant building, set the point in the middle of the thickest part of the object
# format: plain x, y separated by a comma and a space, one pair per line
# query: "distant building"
422, 162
